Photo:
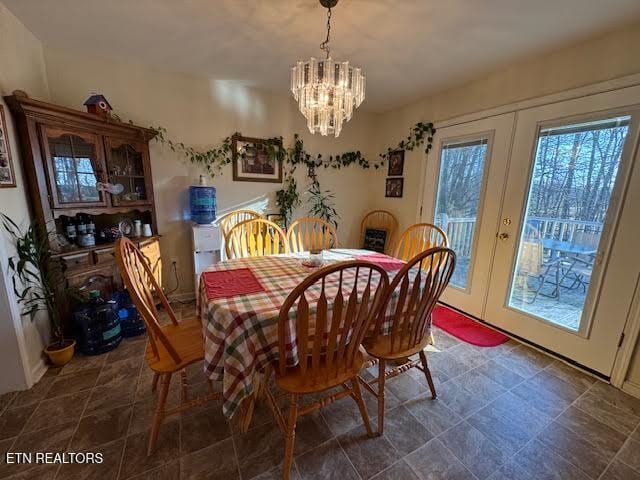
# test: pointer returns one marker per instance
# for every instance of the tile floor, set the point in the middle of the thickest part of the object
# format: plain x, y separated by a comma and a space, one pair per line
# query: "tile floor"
508, 412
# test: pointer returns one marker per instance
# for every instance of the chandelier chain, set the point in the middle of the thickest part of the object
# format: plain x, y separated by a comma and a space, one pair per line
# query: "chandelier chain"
324, 46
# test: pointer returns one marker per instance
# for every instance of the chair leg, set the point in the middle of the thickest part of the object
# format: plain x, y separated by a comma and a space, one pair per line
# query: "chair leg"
159, 415
357, 392
291, 436
154, 384
381, 379
427, 373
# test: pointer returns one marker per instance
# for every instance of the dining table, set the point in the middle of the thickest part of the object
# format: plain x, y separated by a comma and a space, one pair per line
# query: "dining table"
560, 247
239, 305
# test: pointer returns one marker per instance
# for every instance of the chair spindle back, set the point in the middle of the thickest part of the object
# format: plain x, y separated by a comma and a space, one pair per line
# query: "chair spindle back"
142, 286
231, 219
311, 233
420, 282
383, 220
418, 238
255, 238
330, 337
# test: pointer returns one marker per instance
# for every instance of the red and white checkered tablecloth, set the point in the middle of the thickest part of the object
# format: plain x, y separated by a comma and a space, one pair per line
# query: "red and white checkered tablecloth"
241, 332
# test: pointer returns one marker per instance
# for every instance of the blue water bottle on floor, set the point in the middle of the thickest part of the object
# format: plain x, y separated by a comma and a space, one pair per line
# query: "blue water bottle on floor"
97, 325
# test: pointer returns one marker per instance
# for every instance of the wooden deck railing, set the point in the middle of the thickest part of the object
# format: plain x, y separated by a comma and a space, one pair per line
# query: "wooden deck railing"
461, 230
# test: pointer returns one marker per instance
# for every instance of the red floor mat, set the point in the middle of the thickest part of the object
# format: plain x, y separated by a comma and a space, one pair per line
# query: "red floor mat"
465, 328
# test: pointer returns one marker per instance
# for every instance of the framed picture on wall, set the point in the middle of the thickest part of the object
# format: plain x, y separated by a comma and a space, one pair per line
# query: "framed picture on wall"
7, 174
396, 163
394, 187
252, 162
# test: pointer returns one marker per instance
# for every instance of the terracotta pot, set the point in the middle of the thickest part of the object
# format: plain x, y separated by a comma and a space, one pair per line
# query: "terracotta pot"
60, 356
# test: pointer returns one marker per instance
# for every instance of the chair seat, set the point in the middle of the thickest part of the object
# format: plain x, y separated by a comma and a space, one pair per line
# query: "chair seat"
294, 381
186, 338
380, 347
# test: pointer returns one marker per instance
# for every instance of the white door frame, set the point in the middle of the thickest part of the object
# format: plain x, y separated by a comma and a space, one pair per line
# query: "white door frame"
603, 302
498, 131
632, 329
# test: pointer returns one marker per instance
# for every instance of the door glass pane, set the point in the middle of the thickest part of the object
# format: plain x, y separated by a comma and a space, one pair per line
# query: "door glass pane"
459, 188
126, 168
75, 173
574, 174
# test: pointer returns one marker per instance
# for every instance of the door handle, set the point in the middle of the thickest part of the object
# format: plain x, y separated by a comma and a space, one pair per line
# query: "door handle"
502, 236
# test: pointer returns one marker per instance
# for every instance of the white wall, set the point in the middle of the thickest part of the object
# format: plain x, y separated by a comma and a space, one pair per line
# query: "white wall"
22, 67
601, 58
201, 112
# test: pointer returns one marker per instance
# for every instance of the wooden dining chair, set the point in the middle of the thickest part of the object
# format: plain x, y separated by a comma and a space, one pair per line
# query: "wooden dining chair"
311, 233
171, 348
322, 323
418, 238
255, 238
402, 328
231, 219
380, 220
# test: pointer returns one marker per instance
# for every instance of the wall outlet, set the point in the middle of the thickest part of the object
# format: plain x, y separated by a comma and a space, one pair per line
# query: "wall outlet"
174, 261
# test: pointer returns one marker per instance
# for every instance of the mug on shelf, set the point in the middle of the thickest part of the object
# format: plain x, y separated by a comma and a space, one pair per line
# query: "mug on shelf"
137, 228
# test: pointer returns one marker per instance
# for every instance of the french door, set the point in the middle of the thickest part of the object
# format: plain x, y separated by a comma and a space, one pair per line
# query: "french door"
552, 256
466, 172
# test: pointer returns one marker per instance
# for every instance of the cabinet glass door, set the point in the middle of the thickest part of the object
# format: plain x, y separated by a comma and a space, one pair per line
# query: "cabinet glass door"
128, 166
76, 166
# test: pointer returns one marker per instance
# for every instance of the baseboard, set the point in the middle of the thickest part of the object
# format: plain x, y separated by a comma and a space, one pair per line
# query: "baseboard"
37, 372
631, 388
540, 348
182, 297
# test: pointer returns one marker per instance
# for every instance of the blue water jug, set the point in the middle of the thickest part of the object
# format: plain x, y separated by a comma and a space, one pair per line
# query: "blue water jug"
130, 321
97, 325
203, 203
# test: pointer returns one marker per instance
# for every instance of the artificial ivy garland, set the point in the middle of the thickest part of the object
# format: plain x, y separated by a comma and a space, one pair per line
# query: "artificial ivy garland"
214, 159
288, 198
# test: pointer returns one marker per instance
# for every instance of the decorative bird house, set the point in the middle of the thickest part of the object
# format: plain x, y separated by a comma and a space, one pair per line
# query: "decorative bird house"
98, 105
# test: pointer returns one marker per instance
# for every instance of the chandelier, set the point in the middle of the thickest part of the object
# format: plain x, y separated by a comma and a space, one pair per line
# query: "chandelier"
327, 91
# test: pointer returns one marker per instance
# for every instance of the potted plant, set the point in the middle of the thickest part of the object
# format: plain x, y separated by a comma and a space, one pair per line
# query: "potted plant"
322, 203
288, 199
35, 279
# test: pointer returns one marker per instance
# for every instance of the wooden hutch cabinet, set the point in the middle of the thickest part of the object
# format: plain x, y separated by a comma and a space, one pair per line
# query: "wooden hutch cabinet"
68, 156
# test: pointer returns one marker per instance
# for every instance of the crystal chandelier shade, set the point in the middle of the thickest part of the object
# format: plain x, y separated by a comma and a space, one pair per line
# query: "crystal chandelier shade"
327, 92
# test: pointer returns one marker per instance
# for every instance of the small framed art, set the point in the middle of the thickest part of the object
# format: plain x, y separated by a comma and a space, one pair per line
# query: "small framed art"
375, 239
396, 163
7, 174
394, 187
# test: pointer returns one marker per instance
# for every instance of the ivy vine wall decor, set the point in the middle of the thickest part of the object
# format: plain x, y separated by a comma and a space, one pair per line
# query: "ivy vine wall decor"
288, 198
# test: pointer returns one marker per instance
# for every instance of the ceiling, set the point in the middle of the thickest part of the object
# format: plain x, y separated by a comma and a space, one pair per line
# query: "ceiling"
407, 48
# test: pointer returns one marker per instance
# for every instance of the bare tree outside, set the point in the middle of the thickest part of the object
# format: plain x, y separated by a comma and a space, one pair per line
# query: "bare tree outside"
574, 174
573, 177
459, 190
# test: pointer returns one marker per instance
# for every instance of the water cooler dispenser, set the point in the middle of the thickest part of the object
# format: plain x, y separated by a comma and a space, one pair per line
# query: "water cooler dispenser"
205, 237
206, 244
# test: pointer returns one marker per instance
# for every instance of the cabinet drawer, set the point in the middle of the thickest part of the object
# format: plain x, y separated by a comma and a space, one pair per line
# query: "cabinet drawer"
104, 255
77, 260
